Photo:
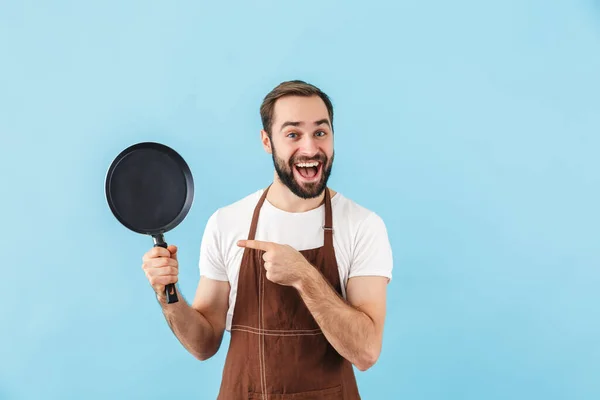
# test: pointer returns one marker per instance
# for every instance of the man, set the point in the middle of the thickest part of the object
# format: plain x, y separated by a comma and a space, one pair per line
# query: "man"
296, 272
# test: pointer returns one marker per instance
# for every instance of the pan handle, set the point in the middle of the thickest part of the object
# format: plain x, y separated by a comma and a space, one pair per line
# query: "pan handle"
170, 291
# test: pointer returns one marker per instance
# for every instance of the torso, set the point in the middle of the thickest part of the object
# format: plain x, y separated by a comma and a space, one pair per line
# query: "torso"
303, 231
277, 350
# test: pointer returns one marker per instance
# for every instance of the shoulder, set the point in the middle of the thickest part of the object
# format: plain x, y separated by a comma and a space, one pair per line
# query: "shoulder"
230, 215
242, 205
365, 238
355, 215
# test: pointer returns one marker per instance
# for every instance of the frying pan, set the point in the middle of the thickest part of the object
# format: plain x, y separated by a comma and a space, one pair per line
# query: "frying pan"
150, 190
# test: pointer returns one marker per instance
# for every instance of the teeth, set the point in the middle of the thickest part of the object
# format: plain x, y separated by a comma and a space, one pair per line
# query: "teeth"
310, 164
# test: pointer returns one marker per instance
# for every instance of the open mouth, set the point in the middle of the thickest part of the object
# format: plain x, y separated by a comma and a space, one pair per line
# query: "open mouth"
309, 171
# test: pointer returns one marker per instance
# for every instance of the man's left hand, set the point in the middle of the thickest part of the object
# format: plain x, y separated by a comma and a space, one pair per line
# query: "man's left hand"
284, 265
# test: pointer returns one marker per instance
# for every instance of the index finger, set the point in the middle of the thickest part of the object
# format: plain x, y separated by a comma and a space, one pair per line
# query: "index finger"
156, 252
255, 244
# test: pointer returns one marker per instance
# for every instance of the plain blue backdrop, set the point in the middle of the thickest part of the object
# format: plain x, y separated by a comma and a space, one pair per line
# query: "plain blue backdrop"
472, 128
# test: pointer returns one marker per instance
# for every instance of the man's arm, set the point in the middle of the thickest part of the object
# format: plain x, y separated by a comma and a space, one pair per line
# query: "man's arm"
199, 327
353, 327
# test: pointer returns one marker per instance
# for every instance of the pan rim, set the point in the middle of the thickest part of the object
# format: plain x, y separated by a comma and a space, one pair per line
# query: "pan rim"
184, 168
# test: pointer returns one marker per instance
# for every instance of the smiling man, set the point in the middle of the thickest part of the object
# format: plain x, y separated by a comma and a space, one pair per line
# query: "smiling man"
296, 272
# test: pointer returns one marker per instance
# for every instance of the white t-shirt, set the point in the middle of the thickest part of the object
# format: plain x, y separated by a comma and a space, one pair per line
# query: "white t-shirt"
360, 239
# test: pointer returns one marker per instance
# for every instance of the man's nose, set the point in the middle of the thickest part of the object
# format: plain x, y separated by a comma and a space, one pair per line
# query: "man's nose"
309, 146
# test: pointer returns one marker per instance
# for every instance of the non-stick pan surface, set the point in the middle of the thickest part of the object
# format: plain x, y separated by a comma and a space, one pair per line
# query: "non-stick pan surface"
150, 190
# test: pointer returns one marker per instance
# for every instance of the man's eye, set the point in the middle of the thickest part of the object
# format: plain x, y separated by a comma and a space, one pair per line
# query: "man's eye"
291, 135
320, 133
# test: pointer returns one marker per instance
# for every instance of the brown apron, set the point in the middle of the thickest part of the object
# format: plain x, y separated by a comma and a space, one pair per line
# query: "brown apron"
277, 350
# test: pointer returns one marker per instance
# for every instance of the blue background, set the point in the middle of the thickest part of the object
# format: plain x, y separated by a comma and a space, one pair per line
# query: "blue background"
472, 128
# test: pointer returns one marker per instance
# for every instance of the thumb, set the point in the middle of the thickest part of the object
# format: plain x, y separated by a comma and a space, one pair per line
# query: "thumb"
173, 250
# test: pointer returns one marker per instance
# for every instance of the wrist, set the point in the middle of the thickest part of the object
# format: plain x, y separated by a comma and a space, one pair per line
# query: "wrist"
162, 299
308, 275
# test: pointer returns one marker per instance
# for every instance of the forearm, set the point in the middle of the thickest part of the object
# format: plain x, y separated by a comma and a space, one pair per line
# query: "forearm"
192, 329
350, 331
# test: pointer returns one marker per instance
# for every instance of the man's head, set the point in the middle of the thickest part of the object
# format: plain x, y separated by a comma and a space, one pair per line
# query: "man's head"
297, 131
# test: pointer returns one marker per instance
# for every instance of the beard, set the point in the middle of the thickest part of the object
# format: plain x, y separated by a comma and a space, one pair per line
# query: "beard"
310, 190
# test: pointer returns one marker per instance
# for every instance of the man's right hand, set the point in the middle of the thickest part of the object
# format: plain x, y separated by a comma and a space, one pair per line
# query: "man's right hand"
161, 268
199, 326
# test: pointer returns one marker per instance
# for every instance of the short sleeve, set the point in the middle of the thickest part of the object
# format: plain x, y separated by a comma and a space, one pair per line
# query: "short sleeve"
211, 260
372, 255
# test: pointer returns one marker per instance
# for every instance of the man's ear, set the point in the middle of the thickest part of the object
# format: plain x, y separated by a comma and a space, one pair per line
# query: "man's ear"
266, 142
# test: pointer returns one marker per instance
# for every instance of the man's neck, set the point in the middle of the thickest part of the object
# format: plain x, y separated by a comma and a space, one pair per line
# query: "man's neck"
281, 197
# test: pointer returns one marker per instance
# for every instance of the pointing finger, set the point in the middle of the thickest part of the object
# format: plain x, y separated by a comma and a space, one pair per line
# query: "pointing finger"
255, 244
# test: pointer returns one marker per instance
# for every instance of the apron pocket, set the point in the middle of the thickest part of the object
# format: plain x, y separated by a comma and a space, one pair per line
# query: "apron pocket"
333, 393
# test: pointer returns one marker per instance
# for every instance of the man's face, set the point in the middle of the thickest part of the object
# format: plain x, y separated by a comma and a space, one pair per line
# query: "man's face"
302, 144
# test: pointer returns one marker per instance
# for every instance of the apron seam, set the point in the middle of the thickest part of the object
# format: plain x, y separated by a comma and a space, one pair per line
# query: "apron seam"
276, 330
278, 334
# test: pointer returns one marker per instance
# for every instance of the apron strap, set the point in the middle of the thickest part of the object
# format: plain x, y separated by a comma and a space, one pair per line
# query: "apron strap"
328, 227
254, 223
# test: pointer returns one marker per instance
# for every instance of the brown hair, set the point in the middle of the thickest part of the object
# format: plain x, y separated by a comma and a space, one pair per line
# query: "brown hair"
290, 88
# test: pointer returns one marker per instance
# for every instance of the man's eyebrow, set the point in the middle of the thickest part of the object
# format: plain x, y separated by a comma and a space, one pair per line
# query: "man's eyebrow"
290, 123
323, 121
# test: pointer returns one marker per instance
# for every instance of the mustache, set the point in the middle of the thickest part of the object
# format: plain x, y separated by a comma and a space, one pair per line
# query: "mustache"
319, 157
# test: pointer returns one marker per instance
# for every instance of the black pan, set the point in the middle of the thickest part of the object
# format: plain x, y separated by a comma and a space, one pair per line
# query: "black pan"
150, 189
